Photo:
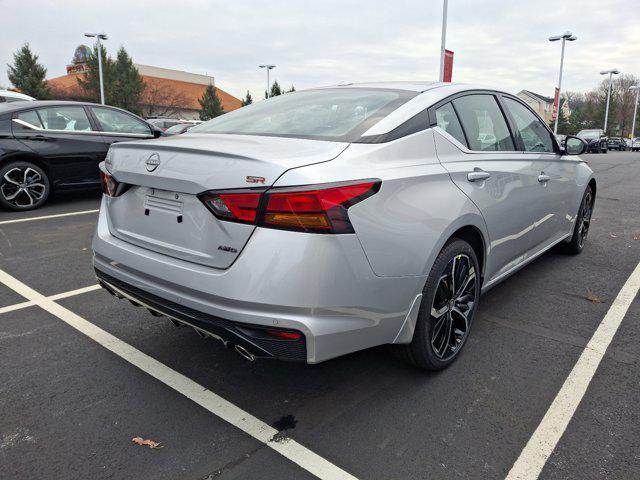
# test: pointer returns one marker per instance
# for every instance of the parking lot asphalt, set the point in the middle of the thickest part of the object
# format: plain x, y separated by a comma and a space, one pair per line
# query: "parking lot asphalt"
70, 407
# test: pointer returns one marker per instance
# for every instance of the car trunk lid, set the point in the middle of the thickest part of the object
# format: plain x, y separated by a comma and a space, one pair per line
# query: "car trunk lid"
161, 211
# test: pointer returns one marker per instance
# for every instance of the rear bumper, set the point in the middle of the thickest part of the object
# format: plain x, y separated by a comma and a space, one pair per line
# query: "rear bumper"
319, 285
236, 334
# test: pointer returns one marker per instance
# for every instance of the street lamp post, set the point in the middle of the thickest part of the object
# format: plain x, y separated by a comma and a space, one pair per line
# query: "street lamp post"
612, 72
98, 37
635, 110
443, 40
268, 67
564, 37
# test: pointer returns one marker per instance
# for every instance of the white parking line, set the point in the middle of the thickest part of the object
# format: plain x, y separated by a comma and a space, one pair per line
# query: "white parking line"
44, 217
544, 440
57, 296
217, 405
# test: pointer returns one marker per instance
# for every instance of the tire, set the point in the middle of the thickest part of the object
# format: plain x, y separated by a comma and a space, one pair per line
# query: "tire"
433, 348
23, 186
583, 222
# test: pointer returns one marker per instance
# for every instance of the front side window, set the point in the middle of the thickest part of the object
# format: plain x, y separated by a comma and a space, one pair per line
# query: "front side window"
484, 123
119, 122
334, 114
67, 118
534, 134
447, 120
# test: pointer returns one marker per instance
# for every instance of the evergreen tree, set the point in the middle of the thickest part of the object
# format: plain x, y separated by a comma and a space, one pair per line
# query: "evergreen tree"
27, 75
128, 87
210, 104
292, 89
90, 81
275, 90
248, 100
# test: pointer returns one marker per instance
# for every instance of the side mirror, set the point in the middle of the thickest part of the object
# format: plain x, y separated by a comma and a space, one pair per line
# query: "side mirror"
157, 133
574, 145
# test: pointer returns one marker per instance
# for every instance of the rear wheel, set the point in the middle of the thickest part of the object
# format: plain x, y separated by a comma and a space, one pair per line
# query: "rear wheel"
583, 222
23, 186
449, 302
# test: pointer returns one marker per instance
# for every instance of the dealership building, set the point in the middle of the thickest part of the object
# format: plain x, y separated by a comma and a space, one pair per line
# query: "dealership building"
168, 93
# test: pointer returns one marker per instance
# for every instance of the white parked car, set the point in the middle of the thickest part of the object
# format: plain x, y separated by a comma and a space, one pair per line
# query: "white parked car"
7, 96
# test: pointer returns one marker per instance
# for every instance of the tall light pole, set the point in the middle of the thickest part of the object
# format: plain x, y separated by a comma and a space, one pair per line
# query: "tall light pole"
98, 37
443, 41
635, 110
564, 37
268, 67
612, 72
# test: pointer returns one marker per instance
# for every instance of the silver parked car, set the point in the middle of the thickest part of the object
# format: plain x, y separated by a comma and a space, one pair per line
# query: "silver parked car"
327, 221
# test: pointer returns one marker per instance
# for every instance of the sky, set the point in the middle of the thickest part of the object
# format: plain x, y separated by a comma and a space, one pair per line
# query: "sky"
501, 44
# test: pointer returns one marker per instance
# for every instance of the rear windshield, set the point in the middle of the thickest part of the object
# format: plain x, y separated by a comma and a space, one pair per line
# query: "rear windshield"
340, 114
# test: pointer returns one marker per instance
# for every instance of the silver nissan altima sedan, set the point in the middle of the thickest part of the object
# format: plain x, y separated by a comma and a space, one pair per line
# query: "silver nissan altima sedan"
326, 221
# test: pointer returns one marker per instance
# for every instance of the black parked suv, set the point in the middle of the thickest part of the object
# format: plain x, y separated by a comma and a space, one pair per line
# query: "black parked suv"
53, 145
616, 143
596, 140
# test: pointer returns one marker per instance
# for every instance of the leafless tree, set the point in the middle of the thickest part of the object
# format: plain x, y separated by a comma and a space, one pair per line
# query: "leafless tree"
161, 100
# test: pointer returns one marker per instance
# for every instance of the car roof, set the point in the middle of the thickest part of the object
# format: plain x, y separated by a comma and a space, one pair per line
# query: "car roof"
15, 106
12, 94
412, 86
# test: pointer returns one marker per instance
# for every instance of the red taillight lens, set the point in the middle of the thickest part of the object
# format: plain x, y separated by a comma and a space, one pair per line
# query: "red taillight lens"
284, 335
238, 207
109, 184
313, 209
316, 208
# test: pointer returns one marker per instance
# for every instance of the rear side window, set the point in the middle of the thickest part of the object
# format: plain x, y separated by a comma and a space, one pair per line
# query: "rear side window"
118, 122
31, 117
447, 120
534, 134
72, 119
484, 123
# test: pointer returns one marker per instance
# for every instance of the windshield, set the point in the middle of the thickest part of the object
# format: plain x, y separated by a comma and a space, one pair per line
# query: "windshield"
589, 134
335, 114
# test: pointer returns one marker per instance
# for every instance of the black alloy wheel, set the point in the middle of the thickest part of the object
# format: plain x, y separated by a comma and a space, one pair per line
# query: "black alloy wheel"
23, 186
449, 303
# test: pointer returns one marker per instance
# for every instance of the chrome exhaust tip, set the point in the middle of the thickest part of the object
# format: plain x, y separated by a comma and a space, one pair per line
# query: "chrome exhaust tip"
244, 353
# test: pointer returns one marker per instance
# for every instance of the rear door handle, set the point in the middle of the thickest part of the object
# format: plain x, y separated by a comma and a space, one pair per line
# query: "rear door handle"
477, 174
38, 138
543, 177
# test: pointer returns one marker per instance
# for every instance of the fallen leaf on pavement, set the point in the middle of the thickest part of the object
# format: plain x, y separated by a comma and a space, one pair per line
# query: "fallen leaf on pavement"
613, 236
150, 443
592, 298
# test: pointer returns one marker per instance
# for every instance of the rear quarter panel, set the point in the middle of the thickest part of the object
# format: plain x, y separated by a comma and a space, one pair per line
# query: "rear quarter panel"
403, 227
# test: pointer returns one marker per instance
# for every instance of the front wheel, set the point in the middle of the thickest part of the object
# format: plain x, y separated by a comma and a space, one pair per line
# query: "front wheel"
449, 303
23, 186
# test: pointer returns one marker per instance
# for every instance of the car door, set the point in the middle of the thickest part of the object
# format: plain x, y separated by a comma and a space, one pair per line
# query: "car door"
556, 173
64, 136
492, 171
116, 125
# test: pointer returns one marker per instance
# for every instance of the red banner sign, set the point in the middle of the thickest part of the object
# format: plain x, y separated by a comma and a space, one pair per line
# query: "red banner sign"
556, 101
448, 65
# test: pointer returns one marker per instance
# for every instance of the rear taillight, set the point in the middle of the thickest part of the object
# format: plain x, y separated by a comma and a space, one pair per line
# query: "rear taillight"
314, 208
240, 206
111, 187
